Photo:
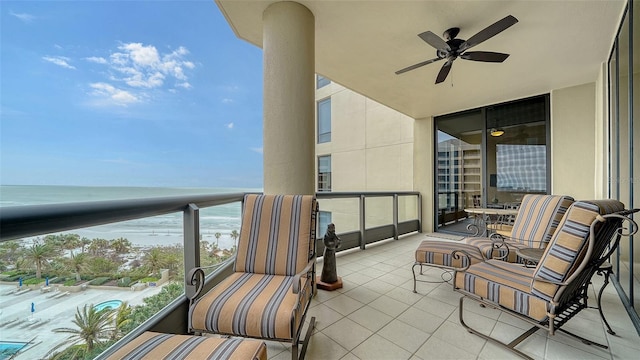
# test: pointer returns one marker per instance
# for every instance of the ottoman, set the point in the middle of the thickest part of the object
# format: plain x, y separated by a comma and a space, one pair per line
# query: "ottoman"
152, 345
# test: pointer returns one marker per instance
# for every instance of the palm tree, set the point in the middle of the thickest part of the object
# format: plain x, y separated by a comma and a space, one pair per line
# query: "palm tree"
70, 242
78, 264
40, 254
121, 320
93, 327
121, 245
234, 235
154, 259
217, 235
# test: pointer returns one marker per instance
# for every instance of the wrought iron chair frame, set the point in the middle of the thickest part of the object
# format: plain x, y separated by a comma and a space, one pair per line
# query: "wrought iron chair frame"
197, 279
604, 237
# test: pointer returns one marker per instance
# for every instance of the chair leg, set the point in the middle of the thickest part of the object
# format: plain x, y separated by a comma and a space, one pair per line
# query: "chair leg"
413, 270
305, 342
510, 346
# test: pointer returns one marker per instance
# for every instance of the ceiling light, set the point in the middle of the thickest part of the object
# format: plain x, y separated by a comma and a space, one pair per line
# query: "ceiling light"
497, 132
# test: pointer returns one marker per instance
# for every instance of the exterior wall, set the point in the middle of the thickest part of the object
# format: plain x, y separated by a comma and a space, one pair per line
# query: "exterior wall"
573, 141
371, 149
370, 143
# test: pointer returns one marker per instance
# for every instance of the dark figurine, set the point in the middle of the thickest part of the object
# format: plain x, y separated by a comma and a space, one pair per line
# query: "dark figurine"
331, 243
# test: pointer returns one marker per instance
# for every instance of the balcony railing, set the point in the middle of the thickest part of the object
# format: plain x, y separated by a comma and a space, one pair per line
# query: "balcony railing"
361, 219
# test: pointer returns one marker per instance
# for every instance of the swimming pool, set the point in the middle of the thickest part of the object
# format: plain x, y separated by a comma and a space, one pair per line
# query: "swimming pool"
10, 348
111, 304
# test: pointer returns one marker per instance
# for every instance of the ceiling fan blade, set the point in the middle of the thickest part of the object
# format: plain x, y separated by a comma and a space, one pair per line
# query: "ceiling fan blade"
417, 66
434, 40
489, 32
444, 71
486, 56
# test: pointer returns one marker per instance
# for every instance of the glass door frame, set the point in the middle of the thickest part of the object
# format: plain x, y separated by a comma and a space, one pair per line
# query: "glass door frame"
483, 150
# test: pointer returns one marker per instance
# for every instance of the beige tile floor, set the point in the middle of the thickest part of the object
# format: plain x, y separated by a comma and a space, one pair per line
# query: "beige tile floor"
376, 315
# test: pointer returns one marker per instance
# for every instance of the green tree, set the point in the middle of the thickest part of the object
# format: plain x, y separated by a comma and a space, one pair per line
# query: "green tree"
101, 266
217, 235
69, 242
78, 264
41, 254
121, 245
153, 304
121, 320
154, 260
234, 235
99, 247
92, 327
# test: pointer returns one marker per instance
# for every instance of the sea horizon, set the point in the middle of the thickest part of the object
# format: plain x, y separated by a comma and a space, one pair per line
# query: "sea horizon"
162, 230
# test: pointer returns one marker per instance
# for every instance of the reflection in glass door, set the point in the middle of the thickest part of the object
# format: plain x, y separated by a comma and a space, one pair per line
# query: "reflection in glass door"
490, 157
459, 168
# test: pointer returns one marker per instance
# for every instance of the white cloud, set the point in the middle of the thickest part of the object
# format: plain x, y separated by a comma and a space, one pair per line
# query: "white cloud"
24, 17
256, 149
229, 125
59, 60
114, 95
97, 60
227, 101
143, 66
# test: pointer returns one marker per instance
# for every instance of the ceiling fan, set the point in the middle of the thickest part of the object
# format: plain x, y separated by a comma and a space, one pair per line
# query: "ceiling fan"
454, 48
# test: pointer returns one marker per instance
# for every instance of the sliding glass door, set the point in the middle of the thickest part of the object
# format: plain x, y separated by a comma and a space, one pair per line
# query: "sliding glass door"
490, 157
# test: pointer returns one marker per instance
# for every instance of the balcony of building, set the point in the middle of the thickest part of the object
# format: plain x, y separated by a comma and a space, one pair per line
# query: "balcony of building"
375, 315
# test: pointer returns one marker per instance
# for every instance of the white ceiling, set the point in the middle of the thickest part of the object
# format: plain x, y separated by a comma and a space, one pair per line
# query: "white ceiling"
361, 43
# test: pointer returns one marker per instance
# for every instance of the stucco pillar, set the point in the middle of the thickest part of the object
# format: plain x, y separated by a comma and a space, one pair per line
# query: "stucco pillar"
289, 67
423, 155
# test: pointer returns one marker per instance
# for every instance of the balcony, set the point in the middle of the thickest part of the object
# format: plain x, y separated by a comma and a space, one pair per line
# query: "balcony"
374, 316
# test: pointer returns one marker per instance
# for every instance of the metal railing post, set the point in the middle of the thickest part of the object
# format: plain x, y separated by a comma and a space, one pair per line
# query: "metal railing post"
395, 216
362, 224
191, 225
419, 213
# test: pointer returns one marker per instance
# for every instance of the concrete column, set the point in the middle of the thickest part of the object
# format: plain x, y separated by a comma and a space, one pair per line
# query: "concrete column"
289, 67
423, 155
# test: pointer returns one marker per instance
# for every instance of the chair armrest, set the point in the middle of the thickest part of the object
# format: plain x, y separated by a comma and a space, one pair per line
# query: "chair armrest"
296, 278
196, 277
459, 254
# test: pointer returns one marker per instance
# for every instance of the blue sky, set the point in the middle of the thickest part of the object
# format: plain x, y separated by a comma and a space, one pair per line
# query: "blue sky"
127, 93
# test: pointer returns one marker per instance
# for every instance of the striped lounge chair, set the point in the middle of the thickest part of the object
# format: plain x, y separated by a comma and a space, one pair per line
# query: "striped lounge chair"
556, 290
269, 293
152, 345
537, 219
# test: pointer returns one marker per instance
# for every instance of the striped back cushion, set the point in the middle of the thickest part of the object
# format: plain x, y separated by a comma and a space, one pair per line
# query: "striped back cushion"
538, 217
569, 244
277, 234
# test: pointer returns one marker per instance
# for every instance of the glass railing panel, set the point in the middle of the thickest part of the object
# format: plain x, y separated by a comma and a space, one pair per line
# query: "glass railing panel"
219, 233
407, 207
378, 211
343, 212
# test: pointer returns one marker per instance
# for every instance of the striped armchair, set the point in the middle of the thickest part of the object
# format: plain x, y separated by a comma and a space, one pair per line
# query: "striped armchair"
537, 219
556, 290
269, 293
536, 222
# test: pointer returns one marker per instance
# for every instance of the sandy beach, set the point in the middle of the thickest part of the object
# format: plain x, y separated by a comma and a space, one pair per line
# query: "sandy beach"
19, 324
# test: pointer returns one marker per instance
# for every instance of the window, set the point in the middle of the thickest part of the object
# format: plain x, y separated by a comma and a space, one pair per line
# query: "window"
324, 173
324, 120
324, 219
322, 81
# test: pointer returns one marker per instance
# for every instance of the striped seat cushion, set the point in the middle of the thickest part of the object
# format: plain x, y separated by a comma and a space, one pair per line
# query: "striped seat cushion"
253, 305
569, 245
506, 284
158, 346
439, 253
277, 234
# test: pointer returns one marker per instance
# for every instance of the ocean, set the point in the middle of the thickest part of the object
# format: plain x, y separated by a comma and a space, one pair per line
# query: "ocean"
152, 231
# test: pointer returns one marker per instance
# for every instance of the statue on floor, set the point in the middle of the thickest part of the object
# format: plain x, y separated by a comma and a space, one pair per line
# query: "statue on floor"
329, 280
